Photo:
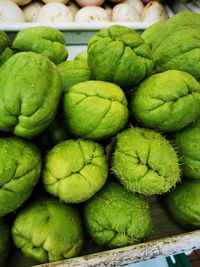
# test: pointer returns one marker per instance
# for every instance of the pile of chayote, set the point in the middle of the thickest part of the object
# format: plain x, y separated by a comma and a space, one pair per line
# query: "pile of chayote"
85, 142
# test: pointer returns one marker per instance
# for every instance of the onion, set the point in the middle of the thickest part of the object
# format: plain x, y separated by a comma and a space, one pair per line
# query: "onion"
83, 3
54, 13
31, 11
91, 14
10, 12
125, 13
154, 12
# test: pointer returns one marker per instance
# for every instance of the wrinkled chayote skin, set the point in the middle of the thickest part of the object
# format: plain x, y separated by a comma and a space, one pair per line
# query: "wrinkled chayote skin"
5, 51
4, 243
183, 203
75, 170
175, 44
95, 110
30, 90
115, 217
48, 230
19, 172
187, 143
73, 72
144, 161
119, 55
167, 101
44, 40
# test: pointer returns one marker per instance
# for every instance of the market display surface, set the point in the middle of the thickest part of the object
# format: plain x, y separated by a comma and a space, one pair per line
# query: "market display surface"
85, 144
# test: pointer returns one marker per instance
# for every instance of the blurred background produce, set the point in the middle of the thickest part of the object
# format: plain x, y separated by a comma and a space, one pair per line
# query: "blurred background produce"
61, 11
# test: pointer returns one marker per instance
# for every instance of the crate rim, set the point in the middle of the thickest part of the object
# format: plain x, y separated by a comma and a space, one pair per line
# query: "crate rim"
135, 253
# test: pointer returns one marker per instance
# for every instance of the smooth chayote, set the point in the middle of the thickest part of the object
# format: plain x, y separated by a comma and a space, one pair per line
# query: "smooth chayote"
47, 230
187, 144
95, 110
82, 56
115, 217
183, 204
144, 161
19, 172
119, 55
75, 170
44, 40
175, 43
73, 72
166, 101
30, 91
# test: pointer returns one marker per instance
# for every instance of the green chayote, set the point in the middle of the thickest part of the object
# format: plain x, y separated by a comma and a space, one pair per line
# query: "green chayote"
95, 109
5, 51
144, 161
44, 40
175, 43
82, 56
19, 172
30, 91
166, 101
47, 230
187, 144
119, 55
73, 72
183, 204
75, 170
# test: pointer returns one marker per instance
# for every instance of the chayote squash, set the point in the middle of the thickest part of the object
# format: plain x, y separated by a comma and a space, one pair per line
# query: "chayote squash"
44, 40
30, 91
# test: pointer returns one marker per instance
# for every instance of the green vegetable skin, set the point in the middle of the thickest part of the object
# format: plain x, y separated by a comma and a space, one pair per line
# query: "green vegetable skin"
4, 243
30, 90
73, 72
119, 55
75, 170
167, 101
5, 51
144, 161
54, 134
115, 217
95, 110
82, 56
175, 43
48, 230
187, 143
19, 172
44, 40
3, 41
183, 203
